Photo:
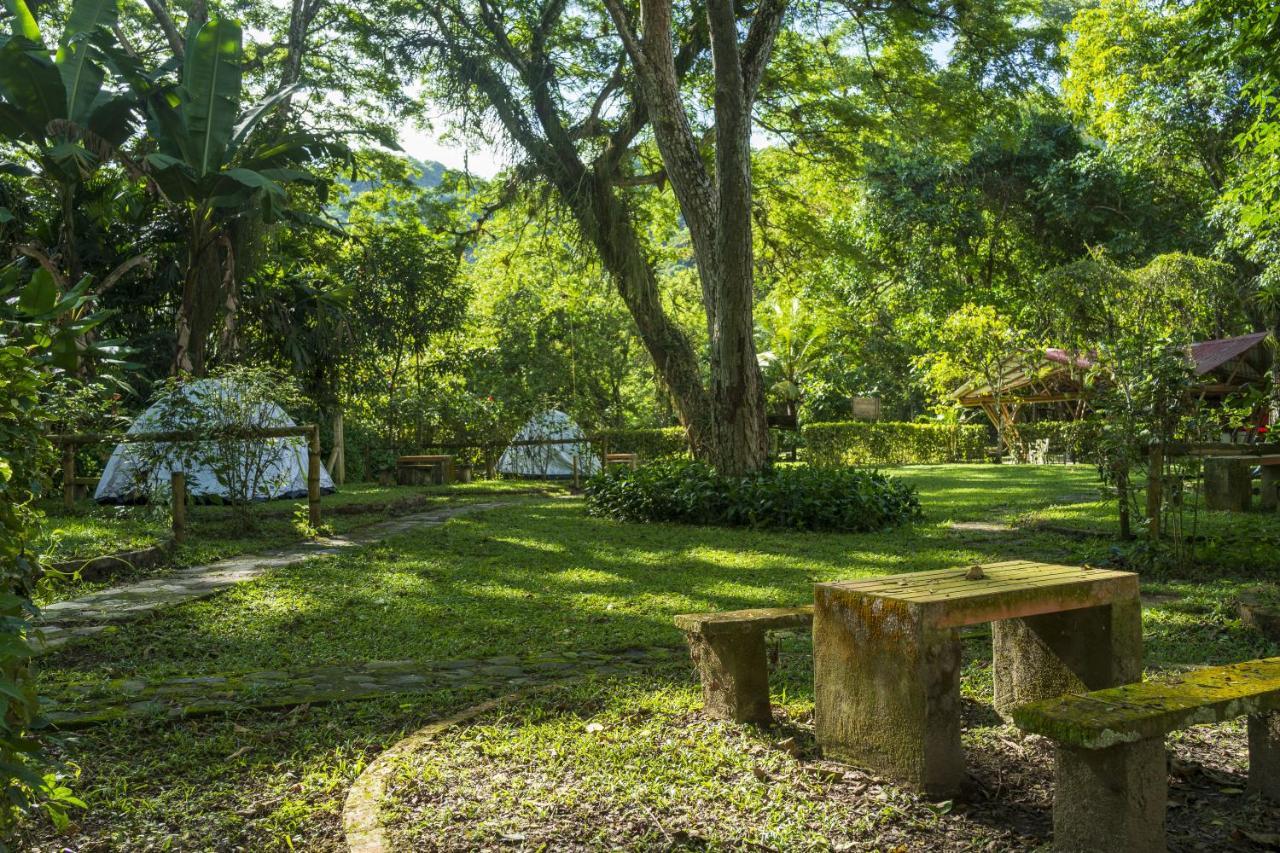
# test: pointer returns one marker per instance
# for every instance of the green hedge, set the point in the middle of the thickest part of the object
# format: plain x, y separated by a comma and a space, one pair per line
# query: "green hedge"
1075, 439
648, 444
790, 498
892, 443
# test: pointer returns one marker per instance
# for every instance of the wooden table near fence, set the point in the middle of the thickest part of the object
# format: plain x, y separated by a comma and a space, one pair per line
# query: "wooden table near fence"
409, 469
887, 656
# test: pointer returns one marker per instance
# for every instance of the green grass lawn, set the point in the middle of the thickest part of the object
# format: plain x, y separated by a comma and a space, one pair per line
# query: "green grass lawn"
540, 577
213, 532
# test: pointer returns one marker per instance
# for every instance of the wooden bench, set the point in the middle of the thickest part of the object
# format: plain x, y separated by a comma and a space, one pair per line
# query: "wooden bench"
729, 651
1111, 779
1228, 482
409, 469
621, 459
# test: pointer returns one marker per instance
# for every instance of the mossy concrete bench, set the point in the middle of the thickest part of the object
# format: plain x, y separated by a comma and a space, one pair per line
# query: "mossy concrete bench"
1228, 482
1111, 780
729, 651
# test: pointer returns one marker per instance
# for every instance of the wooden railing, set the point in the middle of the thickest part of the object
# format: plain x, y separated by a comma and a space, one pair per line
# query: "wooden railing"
178, 481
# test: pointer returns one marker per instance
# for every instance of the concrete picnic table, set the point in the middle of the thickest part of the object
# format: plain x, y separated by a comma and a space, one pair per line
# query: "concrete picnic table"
887, 656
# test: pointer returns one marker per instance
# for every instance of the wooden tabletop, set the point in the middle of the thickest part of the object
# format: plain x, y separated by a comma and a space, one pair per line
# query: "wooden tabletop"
1007, 590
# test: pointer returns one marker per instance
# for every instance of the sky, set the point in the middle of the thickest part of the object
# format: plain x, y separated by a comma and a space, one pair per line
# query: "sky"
425, 144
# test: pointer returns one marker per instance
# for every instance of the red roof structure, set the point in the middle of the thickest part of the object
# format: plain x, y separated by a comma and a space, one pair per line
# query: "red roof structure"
1056, 376
1210, 355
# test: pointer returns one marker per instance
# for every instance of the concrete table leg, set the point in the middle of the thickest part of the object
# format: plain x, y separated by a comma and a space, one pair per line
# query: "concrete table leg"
887, 692
1228, 484
1039, 657
1270, 494
1264, 755
735, 676
1111, 800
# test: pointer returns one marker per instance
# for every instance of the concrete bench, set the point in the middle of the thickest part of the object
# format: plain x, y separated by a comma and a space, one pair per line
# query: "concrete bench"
1111, 778
729, 651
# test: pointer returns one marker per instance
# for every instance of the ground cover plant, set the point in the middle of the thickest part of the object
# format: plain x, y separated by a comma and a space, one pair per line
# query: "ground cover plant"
706, 231
782, 497
543, 579
611, 764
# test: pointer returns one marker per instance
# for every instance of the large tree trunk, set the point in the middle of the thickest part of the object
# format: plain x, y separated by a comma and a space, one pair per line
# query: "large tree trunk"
605, 221
203, 299
725, 421
741, 430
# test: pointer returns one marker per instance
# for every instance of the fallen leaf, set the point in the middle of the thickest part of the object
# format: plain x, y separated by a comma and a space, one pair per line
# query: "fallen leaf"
1266, 839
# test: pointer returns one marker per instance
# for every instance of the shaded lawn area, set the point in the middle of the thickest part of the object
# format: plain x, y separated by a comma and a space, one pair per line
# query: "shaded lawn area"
213, 532
537, 578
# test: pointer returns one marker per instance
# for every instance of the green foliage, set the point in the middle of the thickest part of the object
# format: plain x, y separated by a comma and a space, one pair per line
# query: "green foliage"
788, 498
648, 444
890, 443
220, 409
1078, 440
25, 777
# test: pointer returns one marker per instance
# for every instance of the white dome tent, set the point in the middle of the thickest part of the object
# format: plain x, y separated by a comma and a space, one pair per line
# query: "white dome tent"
549, 461
132, 474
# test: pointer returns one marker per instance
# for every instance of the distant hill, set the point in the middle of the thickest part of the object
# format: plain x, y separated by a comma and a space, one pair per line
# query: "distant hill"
430, 175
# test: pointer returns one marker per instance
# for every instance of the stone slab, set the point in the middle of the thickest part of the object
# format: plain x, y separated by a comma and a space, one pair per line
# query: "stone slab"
1149, 710
745, 621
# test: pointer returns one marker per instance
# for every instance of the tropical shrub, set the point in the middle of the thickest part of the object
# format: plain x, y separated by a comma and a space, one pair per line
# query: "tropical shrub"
1078, 440
648, 444
27, 778
225, 411
792, 498
890, 443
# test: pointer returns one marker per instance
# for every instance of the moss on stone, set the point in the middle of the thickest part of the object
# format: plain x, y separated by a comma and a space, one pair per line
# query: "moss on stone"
1136, 712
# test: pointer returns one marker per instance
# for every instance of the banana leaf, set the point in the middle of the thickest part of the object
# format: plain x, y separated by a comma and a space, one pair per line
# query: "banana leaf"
211, 77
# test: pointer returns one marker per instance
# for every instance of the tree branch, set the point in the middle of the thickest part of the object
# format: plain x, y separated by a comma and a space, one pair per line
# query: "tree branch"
118, 273
41, 257
759, 44
165, 20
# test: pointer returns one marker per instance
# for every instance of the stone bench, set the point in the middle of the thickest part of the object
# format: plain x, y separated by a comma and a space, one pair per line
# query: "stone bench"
729, 650
1111, 778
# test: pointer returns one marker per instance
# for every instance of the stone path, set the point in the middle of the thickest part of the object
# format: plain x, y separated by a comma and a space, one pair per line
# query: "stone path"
76, 705
102, 611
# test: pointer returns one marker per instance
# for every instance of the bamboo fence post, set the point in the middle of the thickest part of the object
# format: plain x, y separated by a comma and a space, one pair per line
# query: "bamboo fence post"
68, 474
313, 476
178, 501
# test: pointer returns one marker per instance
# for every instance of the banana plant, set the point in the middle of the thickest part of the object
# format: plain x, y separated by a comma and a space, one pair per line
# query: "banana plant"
216, 161
791, 348
54, 105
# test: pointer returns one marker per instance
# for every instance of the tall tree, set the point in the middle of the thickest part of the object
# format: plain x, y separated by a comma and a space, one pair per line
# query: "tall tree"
577, 105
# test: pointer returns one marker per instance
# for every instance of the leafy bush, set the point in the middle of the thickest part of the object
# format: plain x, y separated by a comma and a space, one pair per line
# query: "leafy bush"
890, 443
1078, 440
794, 498
648, 444
220, 410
